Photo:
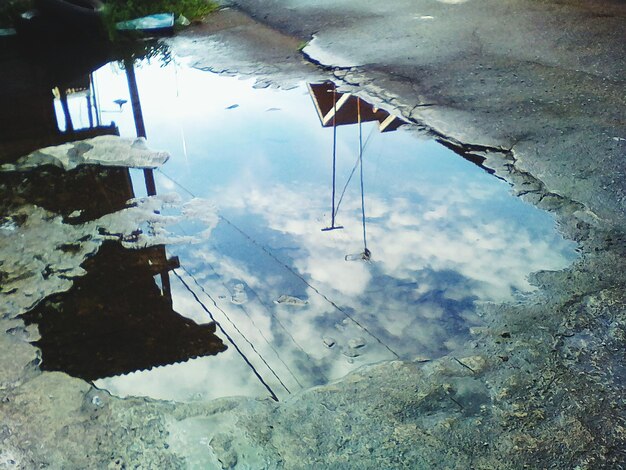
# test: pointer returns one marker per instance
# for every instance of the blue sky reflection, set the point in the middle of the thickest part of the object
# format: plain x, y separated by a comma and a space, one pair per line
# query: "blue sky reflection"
443, 234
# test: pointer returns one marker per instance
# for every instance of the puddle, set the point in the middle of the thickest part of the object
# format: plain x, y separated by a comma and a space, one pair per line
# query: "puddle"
418, 237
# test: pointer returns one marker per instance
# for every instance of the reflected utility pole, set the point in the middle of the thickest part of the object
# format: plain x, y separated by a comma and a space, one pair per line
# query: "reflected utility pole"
95, 100
334, 211
138, 116
147, 172
69, 126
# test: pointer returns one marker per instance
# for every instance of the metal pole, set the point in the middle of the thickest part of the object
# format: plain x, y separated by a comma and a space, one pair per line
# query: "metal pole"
332, 223
95, 99
89, 111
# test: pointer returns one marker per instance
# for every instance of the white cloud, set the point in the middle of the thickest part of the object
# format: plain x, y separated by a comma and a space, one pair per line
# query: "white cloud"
442, 234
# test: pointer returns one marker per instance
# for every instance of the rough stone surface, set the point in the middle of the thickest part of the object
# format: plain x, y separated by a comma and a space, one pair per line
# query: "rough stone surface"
41, 254
108, 150
231, 43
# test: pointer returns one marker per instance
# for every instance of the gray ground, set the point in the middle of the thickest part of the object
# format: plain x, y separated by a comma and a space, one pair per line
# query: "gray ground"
535, 86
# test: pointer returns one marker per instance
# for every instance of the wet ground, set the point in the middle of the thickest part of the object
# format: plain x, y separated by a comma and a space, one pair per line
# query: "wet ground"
224, 283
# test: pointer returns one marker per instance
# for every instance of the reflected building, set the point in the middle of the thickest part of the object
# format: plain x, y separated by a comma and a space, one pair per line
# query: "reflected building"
117, 318
340, 109
29, 83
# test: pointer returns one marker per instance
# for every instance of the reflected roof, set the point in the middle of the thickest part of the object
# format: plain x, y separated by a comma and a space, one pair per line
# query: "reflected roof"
334, 108
116, 320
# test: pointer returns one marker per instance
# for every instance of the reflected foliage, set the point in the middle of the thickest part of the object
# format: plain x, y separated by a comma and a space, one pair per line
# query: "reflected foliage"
11, 9
142, 53
122, 10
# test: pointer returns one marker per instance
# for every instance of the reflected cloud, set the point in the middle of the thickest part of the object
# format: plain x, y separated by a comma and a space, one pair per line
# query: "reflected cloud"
443, 236
498, 254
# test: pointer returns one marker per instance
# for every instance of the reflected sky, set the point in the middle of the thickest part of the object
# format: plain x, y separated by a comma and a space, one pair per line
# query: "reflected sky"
443, 235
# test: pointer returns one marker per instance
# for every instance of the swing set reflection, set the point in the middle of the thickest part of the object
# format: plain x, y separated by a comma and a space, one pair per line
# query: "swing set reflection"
339, 109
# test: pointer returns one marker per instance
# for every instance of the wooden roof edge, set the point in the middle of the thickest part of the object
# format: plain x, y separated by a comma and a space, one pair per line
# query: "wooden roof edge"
164, 364
316, 103
391, 123
343, 99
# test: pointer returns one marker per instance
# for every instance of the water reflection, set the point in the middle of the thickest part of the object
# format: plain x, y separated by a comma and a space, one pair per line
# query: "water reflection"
85, 193
116, 320
29, 84
441, 233
118, 317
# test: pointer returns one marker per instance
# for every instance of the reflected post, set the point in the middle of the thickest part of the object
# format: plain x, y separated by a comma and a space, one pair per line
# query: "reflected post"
69, 126
138, 117
332, 220
147, 172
